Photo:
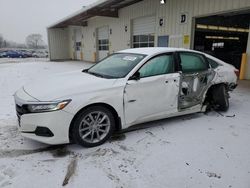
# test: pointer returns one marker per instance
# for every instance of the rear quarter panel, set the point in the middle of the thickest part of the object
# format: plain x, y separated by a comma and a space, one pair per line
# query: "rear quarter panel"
224, 72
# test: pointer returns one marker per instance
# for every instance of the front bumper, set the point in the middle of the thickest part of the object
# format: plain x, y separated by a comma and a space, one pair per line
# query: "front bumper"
47, 127
58, 122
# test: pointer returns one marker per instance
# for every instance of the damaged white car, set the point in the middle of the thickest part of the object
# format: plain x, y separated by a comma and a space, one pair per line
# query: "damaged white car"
127, 88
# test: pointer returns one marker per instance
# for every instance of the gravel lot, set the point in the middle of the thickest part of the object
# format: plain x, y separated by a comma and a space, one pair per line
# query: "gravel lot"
198, 150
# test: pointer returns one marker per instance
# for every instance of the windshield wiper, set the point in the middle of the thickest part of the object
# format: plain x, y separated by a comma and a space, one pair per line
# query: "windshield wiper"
98, 74
95, 74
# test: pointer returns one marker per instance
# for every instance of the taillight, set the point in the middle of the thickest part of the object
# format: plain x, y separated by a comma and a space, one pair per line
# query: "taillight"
237, 73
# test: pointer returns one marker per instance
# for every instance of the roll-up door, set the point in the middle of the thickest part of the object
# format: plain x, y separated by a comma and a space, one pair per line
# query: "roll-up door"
144, 32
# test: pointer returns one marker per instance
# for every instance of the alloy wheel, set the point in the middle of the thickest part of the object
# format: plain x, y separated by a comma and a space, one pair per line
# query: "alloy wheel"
94, 127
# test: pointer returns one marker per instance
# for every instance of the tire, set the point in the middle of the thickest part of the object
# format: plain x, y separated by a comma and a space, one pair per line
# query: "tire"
88, 132
221, 97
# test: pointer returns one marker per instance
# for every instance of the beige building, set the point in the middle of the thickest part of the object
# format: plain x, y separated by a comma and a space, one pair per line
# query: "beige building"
218, 27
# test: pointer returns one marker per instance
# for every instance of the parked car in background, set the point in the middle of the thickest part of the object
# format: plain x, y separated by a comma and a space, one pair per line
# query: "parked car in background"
14, 54
40, 54
127, 88
2, 54
25, 53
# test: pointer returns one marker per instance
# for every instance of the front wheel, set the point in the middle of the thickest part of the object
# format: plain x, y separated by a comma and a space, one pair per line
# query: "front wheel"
221, 97
93, 126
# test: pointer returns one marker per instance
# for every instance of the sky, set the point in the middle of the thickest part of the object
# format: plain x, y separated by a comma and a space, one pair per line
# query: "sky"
19, 18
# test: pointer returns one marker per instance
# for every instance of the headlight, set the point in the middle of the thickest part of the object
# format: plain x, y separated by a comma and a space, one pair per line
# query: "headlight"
46, 107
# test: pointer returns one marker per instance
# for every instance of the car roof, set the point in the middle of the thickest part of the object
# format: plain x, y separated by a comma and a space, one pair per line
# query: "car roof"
154, 50
150, 51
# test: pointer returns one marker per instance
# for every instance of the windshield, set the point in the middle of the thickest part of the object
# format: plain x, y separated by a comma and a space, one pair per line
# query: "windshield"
116, 65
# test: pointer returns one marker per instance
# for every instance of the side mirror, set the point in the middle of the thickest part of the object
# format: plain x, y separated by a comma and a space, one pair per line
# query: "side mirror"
85, 70
136, 76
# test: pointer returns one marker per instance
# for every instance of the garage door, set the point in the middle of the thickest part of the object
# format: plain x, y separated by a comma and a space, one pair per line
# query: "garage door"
103, 42
143, 32
224, 36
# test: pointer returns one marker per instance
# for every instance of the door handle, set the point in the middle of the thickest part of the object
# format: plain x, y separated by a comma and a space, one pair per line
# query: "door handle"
133, 100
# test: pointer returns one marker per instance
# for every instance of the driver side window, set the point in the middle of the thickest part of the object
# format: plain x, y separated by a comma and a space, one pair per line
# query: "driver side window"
157, 66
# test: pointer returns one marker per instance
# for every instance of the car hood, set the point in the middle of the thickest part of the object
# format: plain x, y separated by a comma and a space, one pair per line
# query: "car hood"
65, 85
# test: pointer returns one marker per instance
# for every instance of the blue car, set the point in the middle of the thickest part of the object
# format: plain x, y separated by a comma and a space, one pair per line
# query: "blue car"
14, 54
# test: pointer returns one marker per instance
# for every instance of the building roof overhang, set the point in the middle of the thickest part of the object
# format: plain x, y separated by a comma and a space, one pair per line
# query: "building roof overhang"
107, 8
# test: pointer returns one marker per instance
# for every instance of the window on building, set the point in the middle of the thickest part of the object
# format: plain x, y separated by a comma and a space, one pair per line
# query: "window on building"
140, 41
103, 44
157, 66
78, 46
191, 62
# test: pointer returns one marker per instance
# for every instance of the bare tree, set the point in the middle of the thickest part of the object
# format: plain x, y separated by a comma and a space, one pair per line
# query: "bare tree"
1, 41
34, 41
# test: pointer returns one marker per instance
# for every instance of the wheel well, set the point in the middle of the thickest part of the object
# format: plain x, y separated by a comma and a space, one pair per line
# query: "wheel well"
209, 94
113, 111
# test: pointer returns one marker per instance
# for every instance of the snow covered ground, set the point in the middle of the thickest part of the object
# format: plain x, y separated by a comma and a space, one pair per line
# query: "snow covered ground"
199, 150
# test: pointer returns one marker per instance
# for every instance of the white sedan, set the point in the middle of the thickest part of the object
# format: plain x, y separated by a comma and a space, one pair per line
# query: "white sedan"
129, 87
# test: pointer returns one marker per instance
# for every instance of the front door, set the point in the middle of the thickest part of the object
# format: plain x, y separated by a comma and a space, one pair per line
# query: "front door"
79, 44
195, 79
78, 50
103, 42
155, 93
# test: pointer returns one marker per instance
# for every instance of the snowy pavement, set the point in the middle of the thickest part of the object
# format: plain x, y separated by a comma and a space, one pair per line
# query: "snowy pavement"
199, 150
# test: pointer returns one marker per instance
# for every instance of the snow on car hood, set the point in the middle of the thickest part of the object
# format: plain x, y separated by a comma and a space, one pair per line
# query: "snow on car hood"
66, 85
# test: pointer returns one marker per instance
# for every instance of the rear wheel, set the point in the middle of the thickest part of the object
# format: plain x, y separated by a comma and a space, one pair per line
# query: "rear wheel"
221, 97
93, 126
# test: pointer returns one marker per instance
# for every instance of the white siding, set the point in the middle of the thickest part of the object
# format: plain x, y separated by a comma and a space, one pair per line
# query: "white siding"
58, 44
90, 35
119, 39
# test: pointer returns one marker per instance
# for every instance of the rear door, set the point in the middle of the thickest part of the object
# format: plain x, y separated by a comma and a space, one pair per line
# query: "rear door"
196, 76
